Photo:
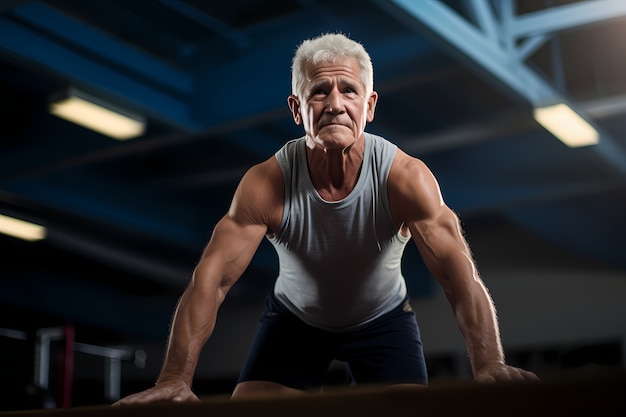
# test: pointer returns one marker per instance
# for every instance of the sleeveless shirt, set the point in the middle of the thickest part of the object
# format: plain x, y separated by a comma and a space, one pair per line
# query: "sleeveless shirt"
339, 262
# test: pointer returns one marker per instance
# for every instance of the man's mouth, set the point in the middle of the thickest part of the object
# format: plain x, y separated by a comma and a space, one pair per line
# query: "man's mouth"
332, 123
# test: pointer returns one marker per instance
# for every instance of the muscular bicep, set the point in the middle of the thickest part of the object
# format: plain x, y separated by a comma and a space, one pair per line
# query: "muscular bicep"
417, 205
256, 204
442, 245
229, 251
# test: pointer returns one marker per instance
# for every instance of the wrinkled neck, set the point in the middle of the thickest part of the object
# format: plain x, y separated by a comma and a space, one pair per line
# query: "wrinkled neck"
334, 172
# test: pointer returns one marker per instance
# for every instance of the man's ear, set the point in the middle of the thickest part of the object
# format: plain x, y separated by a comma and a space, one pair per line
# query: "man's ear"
371, 106
294, 106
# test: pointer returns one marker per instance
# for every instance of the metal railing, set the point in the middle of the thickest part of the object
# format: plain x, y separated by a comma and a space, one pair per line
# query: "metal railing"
113, 357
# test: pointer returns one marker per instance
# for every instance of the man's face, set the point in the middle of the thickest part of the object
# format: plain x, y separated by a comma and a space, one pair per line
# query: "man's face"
333, 107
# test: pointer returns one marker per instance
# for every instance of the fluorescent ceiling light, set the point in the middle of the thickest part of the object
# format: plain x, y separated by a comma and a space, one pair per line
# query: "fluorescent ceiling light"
97, 115
21, 229
567, 125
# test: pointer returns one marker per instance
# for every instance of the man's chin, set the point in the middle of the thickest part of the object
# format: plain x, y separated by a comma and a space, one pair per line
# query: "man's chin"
335, 141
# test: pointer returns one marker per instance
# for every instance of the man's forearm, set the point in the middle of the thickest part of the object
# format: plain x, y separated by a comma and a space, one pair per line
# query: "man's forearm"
476, 316
192, 325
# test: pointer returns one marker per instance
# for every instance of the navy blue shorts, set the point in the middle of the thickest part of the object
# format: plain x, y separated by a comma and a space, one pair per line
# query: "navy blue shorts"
290, 352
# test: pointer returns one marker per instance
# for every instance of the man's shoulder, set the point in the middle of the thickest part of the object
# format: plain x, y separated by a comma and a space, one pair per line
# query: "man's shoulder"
267, 171
260, 193
292, 144
378, 139
406, 163
408, 168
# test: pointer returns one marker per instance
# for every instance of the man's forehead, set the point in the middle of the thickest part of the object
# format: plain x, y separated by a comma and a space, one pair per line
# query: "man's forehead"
344, 67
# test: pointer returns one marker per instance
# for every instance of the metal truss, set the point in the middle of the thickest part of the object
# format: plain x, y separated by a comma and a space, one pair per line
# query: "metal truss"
498, 41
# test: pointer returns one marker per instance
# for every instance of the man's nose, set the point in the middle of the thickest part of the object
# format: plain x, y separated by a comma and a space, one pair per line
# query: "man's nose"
334, 103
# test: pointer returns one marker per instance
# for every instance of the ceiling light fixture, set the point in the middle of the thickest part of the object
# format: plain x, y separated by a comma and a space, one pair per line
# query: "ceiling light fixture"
567, 125
21, 229
95, 114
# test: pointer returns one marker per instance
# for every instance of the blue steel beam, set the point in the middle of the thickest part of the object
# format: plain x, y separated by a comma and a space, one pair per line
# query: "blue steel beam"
566, 17
94, 75
482, 50
98, 44
484, 16
7, 5
501, 64
207, 21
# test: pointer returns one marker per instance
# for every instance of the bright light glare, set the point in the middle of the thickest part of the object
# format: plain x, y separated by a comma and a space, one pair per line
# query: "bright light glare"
567, 125
21, 229
95, 117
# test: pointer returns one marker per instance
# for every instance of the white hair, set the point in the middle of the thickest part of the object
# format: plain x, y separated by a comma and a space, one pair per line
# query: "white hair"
326, 47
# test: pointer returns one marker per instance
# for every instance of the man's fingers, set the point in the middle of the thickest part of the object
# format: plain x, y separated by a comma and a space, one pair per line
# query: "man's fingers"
530, 376
139, 398
505, 373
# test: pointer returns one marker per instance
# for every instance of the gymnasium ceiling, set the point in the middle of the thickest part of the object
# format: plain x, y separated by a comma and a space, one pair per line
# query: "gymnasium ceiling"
127, 220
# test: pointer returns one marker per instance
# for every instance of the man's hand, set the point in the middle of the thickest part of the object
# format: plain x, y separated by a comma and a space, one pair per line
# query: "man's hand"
500, 372
170, 390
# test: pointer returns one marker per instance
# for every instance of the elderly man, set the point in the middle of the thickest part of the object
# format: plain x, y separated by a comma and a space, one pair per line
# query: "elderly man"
339, 205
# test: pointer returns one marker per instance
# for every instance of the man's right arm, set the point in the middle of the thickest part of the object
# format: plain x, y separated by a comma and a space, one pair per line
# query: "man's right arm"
233, 243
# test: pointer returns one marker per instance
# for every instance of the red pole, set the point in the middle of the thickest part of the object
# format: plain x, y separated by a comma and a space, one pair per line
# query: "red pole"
67, 368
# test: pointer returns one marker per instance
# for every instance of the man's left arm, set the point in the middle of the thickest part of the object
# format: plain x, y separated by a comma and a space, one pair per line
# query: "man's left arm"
448, 257
436, 231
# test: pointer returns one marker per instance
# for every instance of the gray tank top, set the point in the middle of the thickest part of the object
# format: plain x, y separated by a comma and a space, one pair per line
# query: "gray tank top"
339, 261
